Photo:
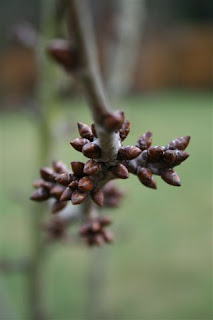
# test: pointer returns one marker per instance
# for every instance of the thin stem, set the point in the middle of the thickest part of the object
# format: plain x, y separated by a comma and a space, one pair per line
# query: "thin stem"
79, 23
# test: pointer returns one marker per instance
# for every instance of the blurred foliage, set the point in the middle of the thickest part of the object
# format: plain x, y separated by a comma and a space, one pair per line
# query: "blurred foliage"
160, 265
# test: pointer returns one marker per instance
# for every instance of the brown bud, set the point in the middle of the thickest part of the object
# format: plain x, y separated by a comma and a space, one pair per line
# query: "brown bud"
42, 183
179, 143
154, 153
40, 194
114, 120
125, 129
77, 168
85, 131
59, 167
73, 185
64, 179
128, 153
145, 141
66, 195
120, 171
56, 191
92, 167
108, 236
98, 197
169, 156
145, 176
86, 184
64, 54
84, 229
78, 197
58, 206
78, 143
91, 150
180, 157
171, 177
47, 174
98, 239
105, 221
95, 226
94, 130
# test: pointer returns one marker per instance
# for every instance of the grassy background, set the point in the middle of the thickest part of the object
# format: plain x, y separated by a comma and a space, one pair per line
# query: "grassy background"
160, 266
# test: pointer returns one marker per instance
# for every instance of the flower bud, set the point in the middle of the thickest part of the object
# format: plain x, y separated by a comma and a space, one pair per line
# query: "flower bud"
171, 177
169, 156
66, 195
42, 183
85, 184
77, 168
40, 194
78, 197
105, 221
108, 236
124, 131
128, 153
85, 131
180, 157
59, 167
98, 197
154, 154
98, 239
73, 185
47, 174
58, 206
64, 54
114, 120
145, 141
56, 191
64, 179
179, 143
145, 176
91, 150
120, 171
78, 143
92, 167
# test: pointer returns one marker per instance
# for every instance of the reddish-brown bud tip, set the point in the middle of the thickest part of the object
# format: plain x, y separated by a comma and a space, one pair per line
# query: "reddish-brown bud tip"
91, 150
58, 206
85, 131
145, 176
42, 183
59, 167
105, 221
66, 195
77, 168
78, 197
64, 54
73, 185
92, 167
125, 129
56, 191
128, 153
40, 194
145, 141
86, 184
154, 153
64, 179
47, 174
171, 177
179, 143
114, 120
98, 197
78, 143
120, 171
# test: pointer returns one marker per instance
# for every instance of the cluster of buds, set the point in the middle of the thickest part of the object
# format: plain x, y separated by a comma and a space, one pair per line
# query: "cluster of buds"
160, 160
94, 232
90, 180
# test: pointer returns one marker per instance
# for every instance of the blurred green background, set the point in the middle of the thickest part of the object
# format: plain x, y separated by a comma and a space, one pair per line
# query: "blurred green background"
160, 265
